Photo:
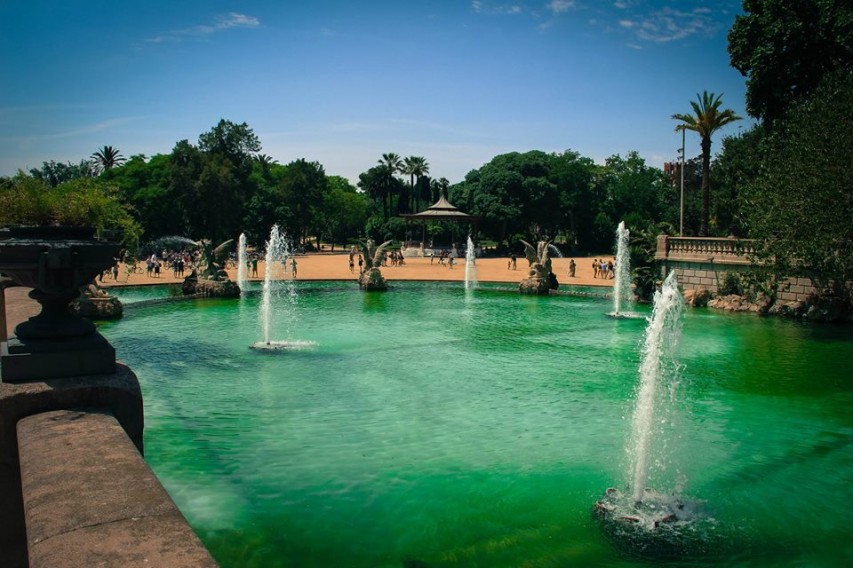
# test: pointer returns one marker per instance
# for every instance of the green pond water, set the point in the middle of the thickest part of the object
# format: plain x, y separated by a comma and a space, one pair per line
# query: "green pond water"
433, 427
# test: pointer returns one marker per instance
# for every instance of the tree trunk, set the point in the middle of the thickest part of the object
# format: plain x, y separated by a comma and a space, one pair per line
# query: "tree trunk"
706, 186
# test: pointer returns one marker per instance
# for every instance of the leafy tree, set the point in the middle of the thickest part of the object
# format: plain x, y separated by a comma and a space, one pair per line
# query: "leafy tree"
185, 165
303, 188
28, 200
785, 47
494, 193
55, 173
265, 208
800, 205
224, 184
706, 119
344, 212
107, 158
738, 163
217, 204
630, 191
146, 187
237, 142
573, 176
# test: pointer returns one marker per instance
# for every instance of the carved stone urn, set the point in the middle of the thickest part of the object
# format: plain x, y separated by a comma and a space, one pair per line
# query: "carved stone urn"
56, 262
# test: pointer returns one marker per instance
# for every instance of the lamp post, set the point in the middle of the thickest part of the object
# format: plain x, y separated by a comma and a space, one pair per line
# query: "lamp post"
681, 215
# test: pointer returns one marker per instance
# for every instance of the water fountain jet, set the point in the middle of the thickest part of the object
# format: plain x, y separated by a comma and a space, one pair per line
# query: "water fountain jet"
242, 278
623, 297
470, 266
278, 252
643, 519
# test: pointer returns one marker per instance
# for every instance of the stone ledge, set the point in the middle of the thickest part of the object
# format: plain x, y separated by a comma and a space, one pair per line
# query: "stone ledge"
117, 391
91, 500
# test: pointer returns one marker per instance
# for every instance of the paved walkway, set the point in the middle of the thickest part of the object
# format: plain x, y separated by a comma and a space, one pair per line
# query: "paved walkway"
326, 266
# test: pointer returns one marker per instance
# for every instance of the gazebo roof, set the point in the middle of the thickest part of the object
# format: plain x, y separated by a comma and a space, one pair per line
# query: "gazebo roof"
441, 210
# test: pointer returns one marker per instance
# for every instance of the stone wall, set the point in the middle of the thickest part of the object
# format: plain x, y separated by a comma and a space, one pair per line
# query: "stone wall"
91, 500
75, 487
704, 263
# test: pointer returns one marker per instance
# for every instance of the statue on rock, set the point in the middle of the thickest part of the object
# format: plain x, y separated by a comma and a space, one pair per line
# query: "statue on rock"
95, 303
540, 279
371, 278
213, 259
214, 281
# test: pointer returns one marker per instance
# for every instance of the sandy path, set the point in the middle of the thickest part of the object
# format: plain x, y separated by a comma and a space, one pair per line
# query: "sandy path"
326, 266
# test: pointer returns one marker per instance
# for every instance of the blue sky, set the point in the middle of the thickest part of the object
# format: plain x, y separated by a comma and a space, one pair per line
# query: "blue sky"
342, 82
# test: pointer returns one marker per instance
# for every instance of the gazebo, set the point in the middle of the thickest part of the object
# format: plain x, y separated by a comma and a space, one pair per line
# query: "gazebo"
441, 210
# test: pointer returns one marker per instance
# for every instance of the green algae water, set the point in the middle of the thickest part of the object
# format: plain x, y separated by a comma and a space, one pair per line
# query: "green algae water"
430, 426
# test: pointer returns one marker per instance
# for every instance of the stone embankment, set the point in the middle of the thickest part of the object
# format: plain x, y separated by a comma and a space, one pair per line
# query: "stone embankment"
816, 308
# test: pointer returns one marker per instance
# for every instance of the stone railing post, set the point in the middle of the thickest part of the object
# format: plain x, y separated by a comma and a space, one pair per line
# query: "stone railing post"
662, 251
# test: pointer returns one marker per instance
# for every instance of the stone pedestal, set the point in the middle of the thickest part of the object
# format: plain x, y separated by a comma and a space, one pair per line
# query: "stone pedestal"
36, 360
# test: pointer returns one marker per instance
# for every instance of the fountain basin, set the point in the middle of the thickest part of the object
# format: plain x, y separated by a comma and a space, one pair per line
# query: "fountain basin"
480, 429
660, 527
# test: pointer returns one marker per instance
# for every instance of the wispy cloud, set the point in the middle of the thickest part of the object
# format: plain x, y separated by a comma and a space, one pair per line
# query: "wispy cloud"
82, 130
231, 21
487, 7
668, 24
560, 6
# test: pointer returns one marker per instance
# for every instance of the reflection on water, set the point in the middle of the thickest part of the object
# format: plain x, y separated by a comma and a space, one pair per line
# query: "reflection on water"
427, 429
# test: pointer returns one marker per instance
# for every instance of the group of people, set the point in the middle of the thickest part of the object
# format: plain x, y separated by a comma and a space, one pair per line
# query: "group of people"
603, 268
178, 261
445, 257
252, 265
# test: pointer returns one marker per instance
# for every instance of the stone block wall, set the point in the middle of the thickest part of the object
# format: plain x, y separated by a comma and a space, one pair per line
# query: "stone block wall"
706, 262
795, 290
711, 276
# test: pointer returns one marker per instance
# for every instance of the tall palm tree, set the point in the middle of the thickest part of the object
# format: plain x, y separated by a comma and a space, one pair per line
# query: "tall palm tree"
409, 170
706, 119
107, 157
416, 167
394, 163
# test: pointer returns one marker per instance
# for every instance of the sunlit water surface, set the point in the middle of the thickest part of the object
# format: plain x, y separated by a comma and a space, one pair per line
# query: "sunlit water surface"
436, 427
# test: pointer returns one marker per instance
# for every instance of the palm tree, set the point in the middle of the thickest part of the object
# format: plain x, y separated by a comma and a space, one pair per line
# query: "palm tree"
394, 163
409, 170
415, 167
264, 162
706, 119
107, 157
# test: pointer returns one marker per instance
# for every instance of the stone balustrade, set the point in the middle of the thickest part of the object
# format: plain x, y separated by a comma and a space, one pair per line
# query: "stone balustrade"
705, 249
705, 262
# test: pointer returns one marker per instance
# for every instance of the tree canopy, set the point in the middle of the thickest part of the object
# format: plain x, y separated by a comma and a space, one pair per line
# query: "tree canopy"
785, 47
801, 202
